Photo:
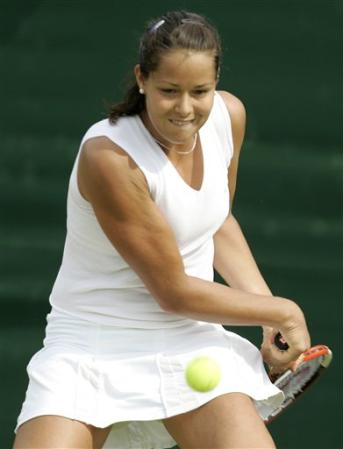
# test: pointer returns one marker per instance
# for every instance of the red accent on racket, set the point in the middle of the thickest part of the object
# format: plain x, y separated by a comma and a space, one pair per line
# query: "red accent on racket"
309, 367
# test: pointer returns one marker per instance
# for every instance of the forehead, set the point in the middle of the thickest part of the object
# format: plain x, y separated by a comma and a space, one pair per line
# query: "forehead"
181, 66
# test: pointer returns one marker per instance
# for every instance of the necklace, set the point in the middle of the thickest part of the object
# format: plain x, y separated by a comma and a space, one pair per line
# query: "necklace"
176, 151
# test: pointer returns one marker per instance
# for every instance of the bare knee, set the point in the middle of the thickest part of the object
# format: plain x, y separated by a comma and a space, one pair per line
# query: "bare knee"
230, 421
52, 432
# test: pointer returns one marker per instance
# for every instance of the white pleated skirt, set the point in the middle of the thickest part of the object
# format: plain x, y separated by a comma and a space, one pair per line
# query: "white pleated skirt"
133, 378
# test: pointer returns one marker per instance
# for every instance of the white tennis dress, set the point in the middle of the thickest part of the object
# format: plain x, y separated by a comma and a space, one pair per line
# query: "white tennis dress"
111, 355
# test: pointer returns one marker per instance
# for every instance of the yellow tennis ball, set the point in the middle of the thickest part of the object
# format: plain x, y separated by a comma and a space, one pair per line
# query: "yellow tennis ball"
203, 374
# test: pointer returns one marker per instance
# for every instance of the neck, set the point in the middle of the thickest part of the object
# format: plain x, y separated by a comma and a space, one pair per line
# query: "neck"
192, 148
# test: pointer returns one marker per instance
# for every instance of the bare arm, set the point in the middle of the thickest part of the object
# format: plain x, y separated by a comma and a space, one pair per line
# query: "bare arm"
118, 192
233, 258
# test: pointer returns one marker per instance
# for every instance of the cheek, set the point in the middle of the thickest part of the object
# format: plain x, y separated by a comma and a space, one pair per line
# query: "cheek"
157, 106
204, 109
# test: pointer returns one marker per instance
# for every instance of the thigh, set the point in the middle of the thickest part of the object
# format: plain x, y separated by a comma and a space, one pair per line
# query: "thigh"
229, 421
52, 432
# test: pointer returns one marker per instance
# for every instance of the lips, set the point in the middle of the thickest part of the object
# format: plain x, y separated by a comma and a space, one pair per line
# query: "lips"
181, 122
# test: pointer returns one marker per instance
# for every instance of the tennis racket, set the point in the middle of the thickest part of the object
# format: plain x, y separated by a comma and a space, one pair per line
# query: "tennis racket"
312, 364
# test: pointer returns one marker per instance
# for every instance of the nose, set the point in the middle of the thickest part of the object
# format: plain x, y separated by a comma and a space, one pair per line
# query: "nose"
184, 106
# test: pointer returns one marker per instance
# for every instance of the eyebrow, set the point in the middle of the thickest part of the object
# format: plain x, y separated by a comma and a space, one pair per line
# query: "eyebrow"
199, 86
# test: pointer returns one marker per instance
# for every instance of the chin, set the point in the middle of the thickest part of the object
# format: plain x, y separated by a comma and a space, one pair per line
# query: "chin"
179, 135
179, 140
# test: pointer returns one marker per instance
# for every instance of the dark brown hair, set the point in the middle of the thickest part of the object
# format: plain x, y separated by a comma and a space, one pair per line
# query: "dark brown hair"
174, 30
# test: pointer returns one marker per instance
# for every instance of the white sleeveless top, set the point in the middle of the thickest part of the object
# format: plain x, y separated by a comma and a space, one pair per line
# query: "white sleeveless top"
94, 282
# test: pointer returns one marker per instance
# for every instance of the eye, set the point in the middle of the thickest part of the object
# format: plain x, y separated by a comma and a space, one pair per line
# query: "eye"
200, 92
168, 91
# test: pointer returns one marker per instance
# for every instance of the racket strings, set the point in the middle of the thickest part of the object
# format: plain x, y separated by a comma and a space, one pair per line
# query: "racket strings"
294, 383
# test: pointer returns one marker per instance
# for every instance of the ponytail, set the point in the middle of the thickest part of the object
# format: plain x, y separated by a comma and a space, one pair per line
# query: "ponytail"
133, 104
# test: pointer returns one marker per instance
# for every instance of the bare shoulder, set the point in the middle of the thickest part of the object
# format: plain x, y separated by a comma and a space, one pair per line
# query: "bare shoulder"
234, 105
101, 151
102, 162
237, 114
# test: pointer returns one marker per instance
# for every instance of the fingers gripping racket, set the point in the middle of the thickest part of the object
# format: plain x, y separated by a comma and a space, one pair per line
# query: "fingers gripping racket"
312, 364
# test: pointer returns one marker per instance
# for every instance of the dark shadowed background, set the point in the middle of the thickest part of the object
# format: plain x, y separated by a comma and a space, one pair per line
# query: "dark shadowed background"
60, 61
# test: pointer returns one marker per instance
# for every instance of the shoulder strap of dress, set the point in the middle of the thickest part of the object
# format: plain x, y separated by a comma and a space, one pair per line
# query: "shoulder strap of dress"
222, 124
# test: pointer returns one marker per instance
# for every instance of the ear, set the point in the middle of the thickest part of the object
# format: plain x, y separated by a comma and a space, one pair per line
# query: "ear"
139, 76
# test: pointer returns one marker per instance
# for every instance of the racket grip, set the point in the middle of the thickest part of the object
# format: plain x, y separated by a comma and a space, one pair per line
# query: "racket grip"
280, 342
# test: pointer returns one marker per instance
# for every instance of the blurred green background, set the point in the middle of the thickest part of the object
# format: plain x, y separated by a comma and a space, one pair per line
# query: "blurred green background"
60, 61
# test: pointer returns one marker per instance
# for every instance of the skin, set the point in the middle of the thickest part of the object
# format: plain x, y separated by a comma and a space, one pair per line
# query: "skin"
174, 113
221, 424
57, 432
179, 96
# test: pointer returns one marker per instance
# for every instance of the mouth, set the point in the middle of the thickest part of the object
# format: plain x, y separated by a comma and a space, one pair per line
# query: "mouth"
181, 123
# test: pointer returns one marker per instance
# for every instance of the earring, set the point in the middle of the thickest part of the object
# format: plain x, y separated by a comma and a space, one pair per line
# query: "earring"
141, 90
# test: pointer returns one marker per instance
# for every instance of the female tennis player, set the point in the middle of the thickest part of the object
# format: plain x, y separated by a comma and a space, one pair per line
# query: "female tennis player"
149, 216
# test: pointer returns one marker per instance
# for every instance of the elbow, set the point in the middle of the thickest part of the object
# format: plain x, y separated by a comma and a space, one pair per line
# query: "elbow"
171, 296
170, 302
168, 306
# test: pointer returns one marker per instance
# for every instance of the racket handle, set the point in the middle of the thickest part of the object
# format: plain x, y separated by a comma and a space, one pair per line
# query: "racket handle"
280, 342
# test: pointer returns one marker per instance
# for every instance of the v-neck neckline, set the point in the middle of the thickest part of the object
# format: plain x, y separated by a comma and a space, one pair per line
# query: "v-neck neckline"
170, 163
